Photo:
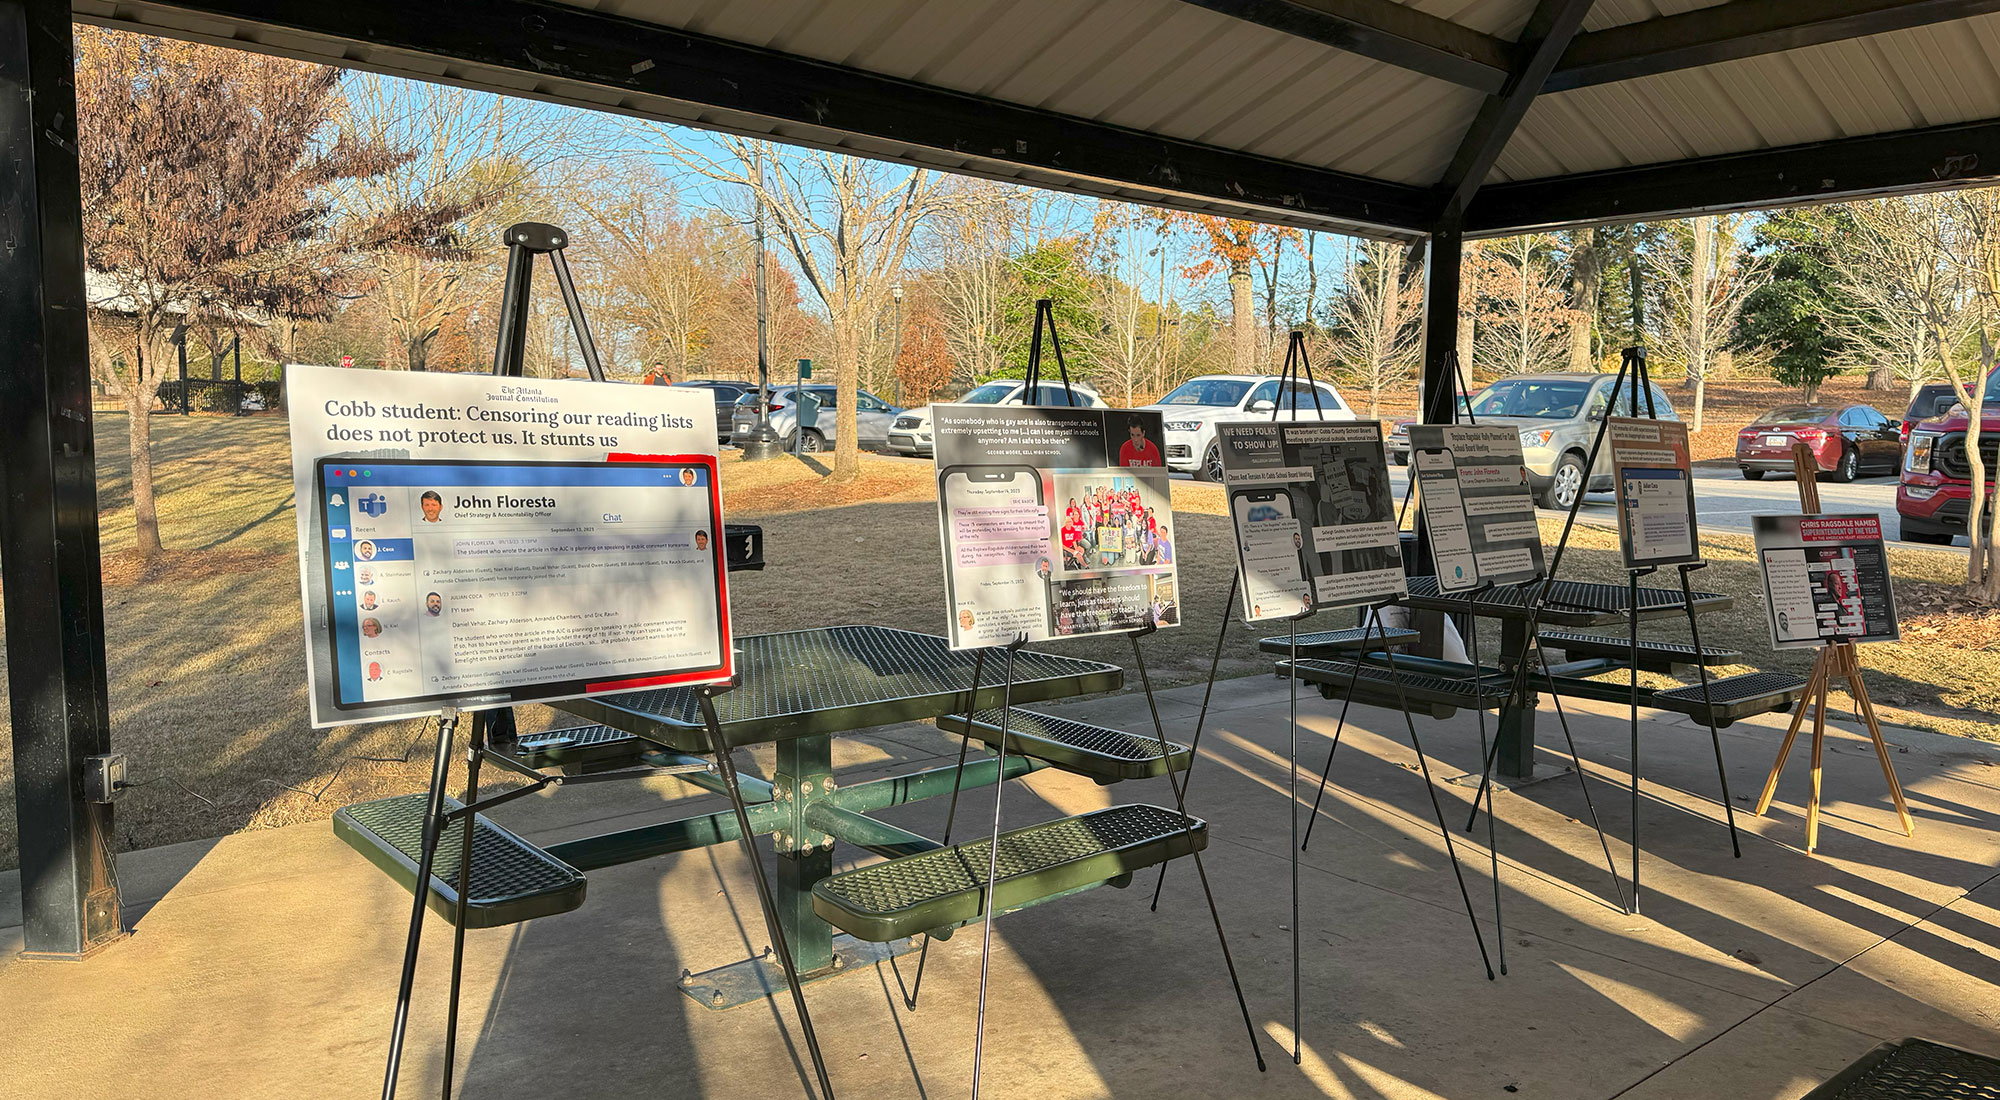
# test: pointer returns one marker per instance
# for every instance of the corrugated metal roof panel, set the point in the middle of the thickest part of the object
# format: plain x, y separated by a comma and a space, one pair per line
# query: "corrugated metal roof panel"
1909, 79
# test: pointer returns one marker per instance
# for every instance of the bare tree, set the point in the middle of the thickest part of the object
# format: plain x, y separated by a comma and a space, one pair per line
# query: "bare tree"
1701, 276
1125, 345
1377, 318
669, 271
1524, 321
1907, 307
1586, 283
493, 159
1969, 224
847, 223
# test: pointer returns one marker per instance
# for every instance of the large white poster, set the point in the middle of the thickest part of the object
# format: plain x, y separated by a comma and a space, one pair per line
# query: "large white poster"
1314, 517
476, 541
1055, 522
1473, 491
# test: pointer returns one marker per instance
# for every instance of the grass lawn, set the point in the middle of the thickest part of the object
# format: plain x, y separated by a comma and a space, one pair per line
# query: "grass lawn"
207, 661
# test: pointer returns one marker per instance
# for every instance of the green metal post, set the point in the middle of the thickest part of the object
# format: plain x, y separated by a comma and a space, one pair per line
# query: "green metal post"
805, 854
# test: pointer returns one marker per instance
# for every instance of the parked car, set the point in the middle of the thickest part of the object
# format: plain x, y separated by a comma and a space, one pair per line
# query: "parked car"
1935, 494
1557, 415
1932, 399
910, 433
1846, 440
872, 416
1197, 405
1398, 438
726, 395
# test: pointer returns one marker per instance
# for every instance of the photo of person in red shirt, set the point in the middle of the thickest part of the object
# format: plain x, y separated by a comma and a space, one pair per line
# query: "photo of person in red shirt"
1137, 449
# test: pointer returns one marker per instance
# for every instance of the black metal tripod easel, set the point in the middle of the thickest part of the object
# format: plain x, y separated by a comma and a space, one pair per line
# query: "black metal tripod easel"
525, 241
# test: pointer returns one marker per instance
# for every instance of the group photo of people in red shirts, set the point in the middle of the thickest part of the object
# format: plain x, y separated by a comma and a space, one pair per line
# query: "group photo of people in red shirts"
1114, 524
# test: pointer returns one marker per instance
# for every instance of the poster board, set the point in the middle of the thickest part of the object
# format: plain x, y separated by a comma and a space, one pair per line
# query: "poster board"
1473, 491
570, 531
1054, 522
1826, 579
1655, 482
1314, 516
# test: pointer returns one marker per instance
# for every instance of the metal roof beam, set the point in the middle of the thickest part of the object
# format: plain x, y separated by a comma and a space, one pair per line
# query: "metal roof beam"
1385, 31
1905, 161
675, 75
1543, 40
1742, 28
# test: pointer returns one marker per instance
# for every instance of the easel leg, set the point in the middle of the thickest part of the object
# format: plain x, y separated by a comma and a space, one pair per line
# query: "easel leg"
748, 837
1194, 744
1818, 747
1791, 733
433, 810
1437, 808
1576, 762
993, 866
1292, 799
1492, 844
1340, 726
1714, 735
1200, 870
1860, 692
951, 814
474, 749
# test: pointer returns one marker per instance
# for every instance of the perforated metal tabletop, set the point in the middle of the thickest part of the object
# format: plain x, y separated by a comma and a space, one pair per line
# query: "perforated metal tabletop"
1570, 603
806, 683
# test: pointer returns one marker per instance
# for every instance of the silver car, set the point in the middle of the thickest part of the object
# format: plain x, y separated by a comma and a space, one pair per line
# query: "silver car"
1557, 415
872, 417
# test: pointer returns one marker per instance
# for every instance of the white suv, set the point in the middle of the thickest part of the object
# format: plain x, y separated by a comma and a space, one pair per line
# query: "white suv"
1197, 405
910, 432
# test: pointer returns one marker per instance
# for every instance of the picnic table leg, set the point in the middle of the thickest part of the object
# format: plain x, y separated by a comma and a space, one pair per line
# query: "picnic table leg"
805, 770
1515, 735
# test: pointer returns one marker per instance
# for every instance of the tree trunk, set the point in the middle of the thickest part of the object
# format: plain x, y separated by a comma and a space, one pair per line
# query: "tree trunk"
139, 423
847, 385
418, 349
1242, 319
1882, 378
1700, 399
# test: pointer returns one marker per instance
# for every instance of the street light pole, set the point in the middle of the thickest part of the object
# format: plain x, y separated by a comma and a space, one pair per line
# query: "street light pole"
762, 442
896, 353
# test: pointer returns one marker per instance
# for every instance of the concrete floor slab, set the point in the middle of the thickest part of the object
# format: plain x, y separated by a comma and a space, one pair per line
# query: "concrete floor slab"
265, 963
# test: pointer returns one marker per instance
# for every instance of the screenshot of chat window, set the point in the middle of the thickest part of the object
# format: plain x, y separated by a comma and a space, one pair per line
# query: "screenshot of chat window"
534, 580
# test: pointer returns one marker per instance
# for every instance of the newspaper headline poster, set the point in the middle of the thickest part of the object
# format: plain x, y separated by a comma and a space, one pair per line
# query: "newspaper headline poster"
1473, 490
1314, 516
1056, 522
476, 541
1826, 578
1656, 519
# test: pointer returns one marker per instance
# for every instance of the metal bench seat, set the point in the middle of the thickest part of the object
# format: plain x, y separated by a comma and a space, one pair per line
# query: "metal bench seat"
1104, 754
1653, 656
579, 748
941, 889
512, 880
1440, 694
1321, 643
1914, 1069
1733, 697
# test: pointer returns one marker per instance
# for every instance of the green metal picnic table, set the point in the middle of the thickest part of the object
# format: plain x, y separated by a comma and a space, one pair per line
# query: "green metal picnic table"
798, 690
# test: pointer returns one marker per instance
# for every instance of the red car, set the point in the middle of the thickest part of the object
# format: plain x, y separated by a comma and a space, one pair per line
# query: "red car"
1845, 440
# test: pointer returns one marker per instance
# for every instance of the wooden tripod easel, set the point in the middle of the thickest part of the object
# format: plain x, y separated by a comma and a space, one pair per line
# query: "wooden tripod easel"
1835, 659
